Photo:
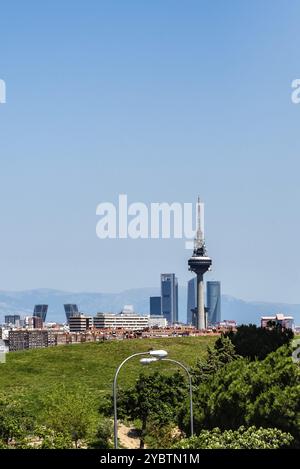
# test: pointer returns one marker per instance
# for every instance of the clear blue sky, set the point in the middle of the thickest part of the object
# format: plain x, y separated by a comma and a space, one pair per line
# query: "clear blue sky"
161, 100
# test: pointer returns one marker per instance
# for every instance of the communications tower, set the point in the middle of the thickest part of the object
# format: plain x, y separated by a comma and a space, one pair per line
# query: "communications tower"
200, 263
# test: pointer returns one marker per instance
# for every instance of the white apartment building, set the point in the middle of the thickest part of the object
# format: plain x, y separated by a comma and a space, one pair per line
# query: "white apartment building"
127, 319
157, 321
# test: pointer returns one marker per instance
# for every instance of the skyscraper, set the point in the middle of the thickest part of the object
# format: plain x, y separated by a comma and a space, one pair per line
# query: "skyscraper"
191, 300
12, 318
40, 311
70, 310
213, 293
155, 305
169, 297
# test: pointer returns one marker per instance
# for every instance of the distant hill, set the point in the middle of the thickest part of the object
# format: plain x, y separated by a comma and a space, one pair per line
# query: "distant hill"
232, 308
251, 311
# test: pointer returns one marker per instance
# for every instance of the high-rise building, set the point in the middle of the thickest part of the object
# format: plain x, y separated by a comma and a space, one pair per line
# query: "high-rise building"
12, 319
70, 310
191, 301
155, 305
200, 263
169, 297
40, 311
213, 295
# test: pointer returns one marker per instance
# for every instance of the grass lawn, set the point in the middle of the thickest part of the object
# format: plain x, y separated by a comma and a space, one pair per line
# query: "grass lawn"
33, 373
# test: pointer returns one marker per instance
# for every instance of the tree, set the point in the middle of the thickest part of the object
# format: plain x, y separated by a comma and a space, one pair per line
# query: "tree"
242, 438
160, 437
51, 439
257, 342
222, 353
15, 422
70, 413
262, 393
102, 439
153, 400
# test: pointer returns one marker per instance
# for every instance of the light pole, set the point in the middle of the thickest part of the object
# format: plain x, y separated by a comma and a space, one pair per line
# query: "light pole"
148, 361
191, 390
155, 355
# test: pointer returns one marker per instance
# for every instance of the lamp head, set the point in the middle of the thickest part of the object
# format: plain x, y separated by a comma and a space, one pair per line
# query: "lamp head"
148, 361
158, 353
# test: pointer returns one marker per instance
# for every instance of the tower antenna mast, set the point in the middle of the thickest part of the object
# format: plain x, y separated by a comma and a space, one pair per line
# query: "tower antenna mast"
199, 240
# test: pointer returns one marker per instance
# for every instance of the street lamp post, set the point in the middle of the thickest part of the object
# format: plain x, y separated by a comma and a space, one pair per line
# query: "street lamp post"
191, 389
155, 355
148, 361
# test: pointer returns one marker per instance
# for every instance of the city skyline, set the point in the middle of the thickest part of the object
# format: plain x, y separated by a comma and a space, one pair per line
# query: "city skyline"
145, 100
149, 192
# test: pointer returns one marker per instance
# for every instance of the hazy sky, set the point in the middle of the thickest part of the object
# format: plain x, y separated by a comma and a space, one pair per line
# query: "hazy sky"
160, 100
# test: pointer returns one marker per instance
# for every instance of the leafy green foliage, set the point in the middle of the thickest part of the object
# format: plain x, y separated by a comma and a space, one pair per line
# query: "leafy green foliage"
15, 421
229, 392
69, 420
262, 393
222, 353
49, 439
256, 342
243, 438
102, 439
36, 412
155, 398
71, 414
160, 437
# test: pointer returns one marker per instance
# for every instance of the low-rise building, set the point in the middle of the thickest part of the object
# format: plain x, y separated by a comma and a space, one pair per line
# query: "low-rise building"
286, 322
80, 322
157, 321
27, 339
226, 324
127, 319
37, 322
28, 321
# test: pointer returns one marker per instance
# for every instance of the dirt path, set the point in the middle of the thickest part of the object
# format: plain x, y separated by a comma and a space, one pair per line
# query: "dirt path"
128, 437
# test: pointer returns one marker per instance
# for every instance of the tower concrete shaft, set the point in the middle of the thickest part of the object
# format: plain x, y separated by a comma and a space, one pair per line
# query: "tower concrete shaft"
200, 323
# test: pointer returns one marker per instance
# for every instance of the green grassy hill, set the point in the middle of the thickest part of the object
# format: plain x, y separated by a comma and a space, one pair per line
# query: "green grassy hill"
34, 373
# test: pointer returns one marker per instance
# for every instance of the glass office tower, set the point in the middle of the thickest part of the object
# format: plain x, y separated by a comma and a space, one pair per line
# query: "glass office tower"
213, 293
71, 310
40, 311
191, 301
12, 318
155, 305
169, 297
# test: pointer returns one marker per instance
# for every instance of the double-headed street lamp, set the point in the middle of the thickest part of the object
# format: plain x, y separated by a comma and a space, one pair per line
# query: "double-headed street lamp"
155, 355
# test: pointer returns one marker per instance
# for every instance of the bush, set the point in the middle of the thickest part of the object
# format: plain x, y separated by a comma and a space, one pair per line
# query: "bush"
243, 438
256, 342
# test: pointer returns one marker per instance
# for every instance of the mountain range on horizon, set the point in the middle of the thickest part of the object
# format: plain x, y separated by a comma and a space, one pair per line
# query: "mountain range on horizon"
22, 302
